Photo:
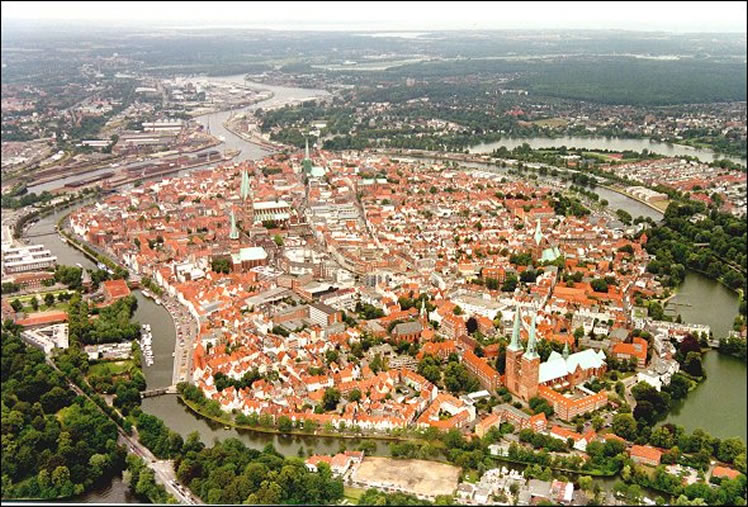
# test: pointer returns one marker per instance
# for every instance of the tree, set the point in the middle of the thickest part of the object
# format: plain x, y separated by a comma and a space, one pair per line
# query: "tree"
355, 395
693, 364
578, 333
16, 305
331, 398
221, 265
624, 426
34, 303
429, 368
538, 405
597, 422
510, 283
49, 299
599, 285
679, 386
284, 424
729, 449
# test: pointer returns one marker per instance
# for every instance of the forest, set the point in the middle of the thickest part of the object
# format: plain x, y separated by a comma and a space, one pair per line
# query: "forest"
721, 240
229, 472
54, 444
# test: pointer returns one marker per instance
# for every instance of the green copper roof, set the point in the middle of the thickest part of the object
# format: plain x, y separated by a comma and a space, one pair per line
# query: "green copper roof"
538, 237
234, 234
550, 254
516, 345
531, 353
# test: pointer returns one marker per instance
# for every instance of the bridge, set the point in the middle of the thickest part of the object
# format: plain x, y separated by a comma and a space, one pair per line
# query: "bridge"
149, 393
40, 234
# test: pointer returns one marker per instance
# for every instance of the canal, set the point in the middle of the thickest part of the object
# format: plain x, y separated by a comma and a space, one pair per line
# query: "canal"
616, 144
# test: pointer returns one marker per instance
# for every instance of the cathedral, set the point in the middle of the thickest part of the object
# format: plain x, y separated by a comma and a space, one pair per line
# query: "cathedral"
541, 247
525, 373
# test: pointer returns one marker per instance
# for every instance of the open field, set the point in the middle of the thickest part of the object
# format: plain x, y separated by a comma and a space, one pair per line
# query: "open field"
110, 368
415, 476
353, 494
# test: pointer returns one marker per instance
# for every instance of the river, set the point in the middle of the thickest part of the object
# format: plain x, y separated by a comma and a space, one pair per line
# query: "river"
281, 95
616, 144
214, 121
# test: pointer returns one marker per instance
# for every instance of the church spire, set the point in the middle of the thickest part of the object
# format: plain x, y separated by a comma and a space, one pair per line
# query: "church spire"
538, 237
531, 353
245, 188
566, 350
307, 163
516, 345
234, 234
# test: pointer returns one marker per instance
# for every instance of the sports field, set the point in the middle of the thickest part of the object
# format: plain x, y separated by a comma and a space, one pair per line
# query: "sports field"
411, 475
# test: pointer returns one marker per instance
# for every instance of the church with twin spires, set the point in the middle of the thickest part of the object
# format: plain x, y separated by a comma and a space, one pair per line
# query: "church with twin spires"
558, 379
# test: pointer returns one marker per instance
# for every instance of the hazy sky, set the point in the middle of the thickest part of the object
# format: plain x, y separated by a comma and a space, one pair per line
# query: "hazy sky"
645, 16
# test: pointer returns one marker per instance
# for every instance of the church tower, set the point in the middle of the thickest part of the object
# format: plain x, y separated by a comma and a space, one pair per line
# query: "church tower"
234, 232
530, 367
248, 212
537, 247
307, 163
513, 356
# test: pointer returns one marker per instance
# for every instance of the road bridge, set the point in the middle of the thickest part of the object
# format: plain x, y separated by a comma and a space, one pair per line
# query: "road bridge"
149, 393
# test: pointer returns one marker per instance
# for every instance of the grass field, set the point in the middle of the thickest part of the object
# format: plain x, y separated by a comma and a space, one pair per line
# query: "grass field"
353, 494
26, 301
411, 475
110, 368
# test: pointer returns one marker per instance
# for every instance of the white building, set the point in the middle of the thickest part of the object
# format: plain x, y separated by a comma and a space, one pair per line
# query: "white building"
27, 258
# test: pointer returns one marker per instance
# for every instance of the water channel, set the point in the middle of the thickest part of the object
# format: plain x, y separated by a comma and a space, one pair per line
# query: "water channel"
714, 305
617, 144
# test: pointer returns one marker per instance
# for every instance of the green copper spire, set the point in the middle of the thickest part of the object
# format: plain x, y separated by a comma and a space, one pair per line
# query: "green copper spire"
530, 353
307, 163
245, 189
234, 234
516, 345
566, 350
538, 235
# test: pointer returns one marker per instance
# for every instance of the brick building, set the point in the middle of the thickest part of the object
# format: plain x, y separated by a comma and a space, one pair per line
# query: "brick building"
488, 377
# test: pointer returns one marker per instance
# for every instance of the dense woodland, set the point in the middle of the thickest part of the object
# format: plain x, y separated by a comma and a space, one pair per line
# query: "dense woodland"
55, 444
229, 472
721, 240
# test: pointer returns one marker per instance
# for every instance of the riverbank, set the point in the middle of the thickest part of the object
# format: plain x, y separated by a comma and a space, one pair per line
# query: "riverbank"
610, 144
637, 199
261, 143
274, 431
592, 473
